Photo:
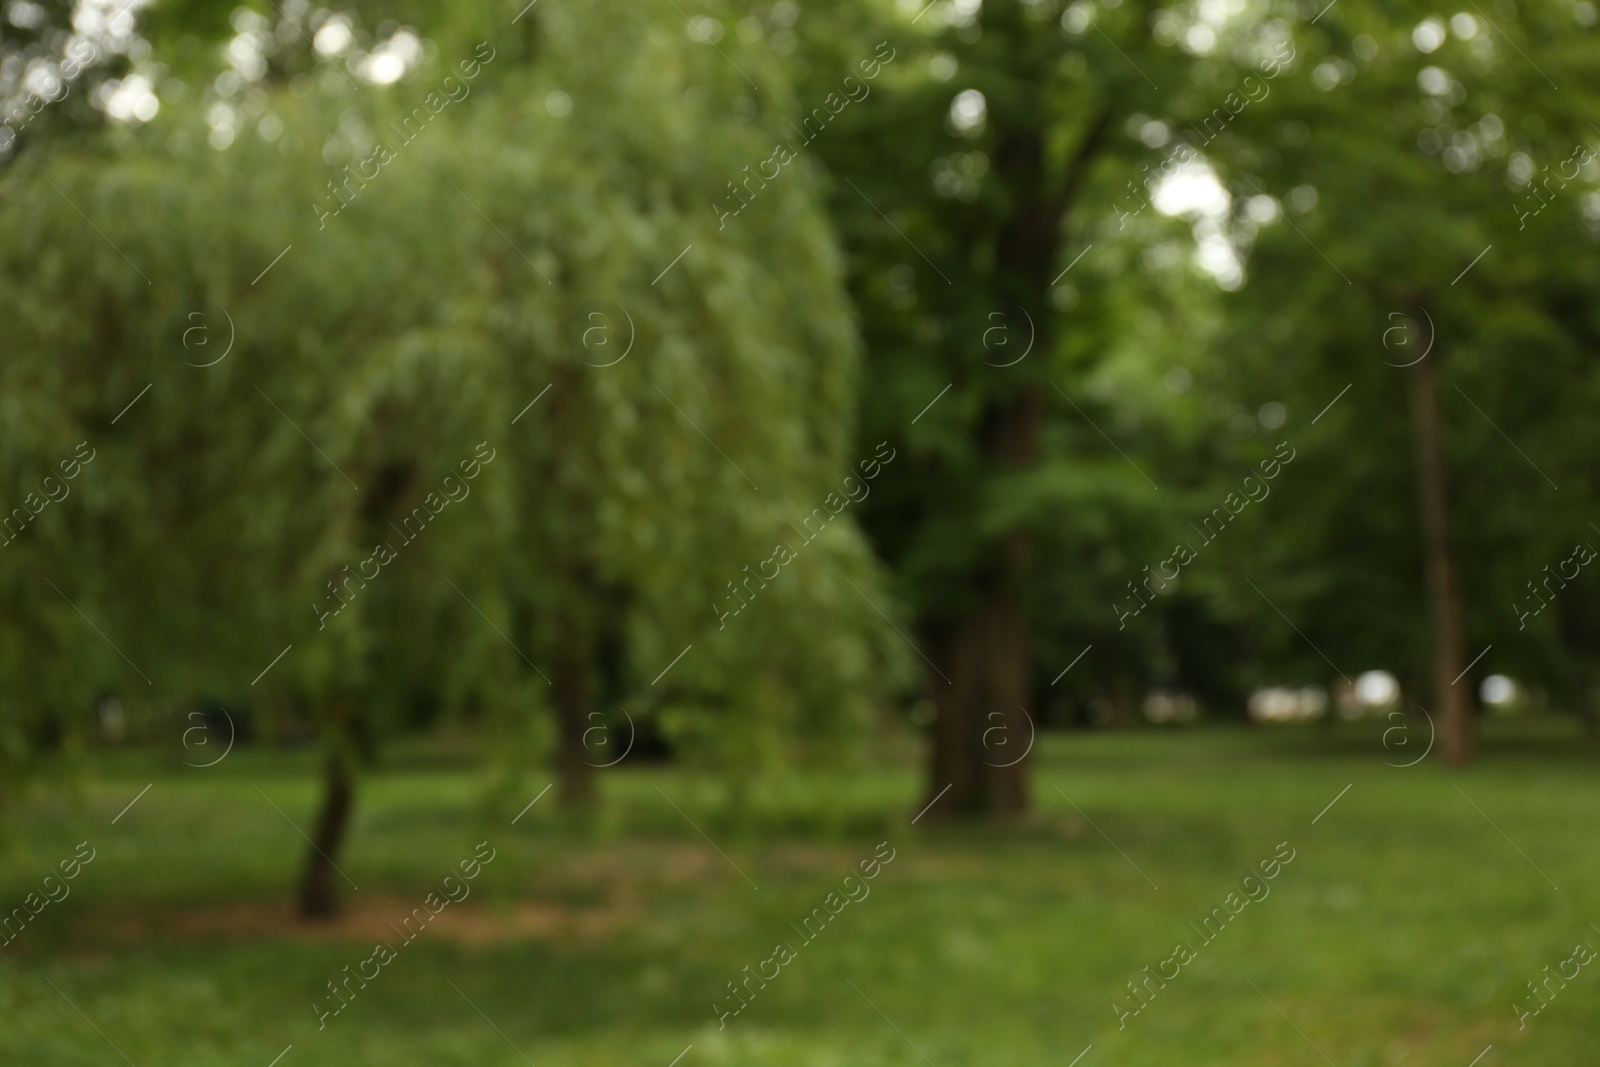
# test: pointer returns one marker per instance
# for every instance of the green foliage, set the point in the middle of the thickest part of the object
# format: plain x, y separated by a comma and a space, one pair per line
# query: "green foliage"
1420, 165
1362, 174
426, 295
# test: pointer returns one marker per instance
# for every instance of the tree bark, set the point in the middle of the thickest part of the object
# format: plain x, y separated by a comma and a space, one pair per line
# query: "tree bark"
318, 897
983, 732
1451, 703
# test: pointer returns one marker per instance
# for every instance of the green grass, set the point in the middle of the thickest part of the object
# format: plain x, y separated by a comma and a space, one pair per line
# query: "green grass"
1401, 932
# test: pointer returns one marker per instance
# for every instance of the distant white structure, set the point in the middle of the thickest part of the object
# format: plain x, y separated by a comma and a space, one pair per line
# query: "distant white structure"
1501, 693
1370, 692
1281, 704
1377, 689
1161, 706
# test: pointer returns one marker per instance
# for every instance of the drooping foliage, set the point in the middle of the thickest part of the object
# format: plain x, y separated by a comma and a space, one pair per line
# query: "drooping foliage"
457, 397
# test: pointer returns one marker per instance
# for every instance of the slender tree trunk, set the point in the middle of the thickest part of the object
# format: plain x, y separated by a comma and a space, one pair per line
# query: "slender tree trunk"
1121, 693
1450, 700
576, 757
318, 895
318, 898
1577, 635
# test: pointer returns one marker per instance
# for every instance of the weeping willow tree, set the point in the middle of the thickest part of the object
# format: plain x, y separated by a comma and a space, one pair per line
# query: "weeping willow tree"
485, 414
698, 407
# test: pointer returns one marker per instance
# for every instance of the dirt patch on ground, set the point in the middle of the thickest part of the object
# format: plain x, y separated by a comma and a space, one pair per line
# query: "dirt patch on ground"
641, 864
367, 918
587, 898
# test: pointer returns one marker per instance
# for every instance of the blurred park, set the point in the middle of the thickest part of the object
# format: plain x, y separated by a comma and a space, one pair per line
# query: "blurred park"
954, 532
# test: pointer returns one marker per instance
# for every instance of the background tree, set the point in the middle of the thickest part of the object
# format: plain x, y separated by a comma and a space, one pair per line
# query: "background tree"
1402, 151
1025, 146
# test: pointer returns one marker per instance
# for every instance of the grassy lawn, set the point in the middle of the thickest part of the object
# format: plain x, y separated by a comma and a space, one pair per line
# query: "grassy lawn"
1401, 932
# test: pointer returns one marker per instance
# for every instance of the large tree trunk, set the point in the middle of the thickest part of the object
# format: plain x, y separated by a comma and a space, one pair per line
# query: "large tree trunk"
983, 732
318, 899
1450, 701
984, 729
